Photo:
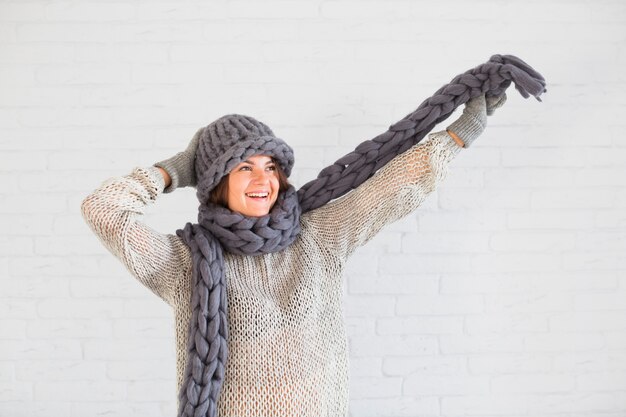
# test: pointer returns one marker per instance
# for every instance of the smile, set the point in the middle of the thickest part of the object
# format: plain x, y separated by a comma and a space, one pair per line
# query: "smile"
258, 195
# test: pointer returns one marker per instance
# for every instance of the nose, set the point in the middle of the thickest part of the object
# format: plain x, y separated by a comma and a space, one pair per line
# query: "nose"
261, 176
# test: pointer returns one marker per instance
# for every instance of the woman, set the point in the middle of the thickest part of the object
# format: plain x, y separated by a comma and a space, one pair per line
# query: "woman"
287, 345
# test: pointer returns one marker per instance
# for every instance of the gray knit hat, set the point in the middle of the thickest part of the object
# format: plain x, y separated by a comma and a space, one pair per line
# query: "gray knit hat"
230, 140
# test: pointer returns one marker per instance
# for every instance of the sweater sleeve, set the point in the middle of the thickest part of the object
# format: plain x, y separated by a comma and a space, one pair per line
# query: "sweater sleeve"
113, 212
393, 192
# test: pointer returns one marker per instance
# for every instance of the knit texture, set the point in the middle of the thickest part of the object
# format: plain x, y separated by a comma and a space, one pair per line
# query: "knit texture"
287, 342
181, 167
491, 79
230, 139
472, 122
222, 145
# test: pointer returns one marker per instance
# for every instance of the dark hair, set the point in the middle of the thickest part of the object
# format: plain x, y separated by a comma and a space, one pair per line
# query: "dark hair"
219, 194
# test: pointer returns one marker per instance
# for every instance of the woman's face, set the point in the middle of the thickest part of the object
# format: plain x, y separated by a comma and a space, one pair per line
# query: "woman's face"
253, 186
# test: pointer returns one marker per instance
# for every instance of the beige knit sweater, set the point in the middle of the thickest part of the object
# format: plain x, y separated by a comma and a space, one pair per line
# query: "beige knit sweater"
288, 351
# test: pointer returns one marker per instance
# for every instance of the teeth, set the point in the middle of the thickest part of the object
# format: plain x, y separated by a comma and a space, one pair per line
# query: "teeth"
257, 194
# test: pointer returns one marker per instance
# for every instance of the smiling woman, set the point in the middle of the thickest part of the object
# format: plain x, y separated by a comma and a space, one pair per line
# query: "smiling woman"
280, 347
252, 187
257, 284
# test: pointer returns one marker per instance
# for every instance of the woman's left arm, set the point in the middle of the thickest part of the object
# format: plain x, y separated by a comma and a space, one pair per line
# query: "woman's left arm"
393, 192
399, 187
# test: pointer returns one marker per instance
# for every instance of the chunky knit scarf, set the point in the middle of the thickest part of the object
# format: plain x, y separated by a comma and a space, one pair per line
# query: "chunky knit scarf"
219, 228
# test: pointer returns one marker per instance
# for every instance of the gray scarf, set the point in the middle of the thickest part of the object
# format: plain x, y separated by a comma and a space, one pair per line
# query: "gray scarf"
233, 138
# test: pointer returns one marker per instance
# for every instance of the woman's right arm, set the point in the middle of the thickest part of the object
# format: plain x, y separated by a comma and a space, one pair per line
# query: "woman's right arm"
113, 211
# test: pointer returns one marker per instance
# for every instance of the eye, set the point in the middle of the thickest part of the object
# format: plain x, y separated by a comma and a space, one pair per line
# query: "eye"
272, 167
245, 168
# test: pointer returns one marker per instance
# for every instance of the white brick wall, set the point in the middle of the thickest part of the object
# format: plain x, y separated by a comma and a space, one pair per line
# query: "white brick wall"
504, 295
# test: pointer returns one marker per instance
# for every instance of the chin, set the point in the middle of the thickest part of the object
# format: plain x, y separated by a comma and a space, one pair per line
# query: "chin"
256, 213
251, 210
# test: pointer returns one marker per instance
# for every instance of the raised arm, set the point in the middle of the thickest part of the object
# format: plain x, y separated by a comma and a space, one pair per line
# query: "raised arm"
400, 186
113, 211
393, 192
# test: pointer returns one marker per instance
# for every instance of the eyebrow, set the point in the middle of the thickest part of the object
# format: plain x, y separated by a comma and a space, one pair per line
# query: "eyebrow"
251, 163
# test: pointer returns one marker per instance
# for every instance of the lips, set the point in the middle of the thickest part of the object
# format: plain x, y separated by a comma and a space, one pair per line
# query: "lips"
258, 194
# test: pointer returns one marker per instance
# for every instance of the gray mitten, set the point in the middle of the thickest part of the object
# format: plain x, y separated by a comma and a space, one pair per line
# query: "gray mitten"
471, 124
495, 102
181, 167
